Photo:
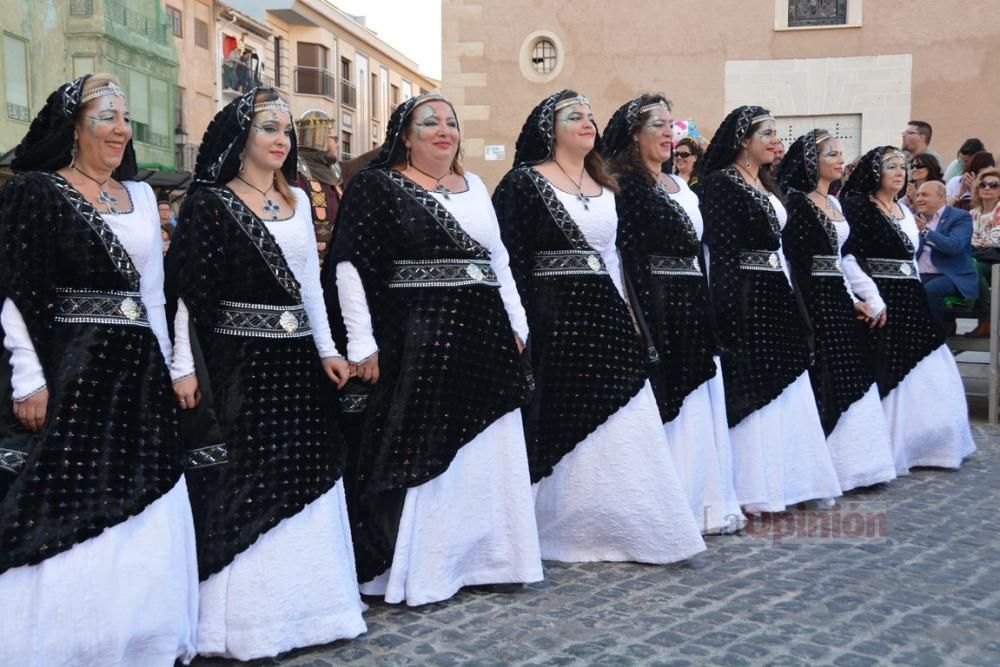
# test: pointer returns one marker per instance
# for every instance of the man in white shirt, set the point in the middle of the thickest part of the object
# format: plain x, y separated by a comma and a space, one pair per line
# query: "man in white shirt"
917, 139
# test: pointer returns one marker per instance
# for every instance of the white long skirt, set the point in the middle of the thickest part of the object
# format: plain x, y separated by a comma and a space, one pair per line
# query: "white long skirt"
860, 445
617, 496
780, 455
928, 416
472, 525
295, 586
699, 444
127, 597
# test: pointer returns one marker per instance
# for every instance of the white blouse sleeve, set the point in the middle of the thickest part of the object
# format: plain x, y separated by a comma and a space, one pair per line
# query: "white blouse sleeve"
182, 364
861, 284
500, 261
151, 285
27, 377
312, 299
354, 309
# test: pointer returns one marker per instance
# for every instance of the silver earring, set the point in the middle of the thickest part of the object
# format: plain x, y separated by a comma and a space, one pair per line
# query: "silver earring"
73, 152
407, 157
243, 156
747, 164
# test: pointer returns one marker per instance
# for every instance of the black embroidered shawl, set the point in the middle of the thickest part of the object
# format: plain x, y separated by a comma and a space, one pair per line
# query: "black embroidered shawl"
842, 373
763, 334
588, 360
675, 306
263, 443
910, 333
448, 361
109, 446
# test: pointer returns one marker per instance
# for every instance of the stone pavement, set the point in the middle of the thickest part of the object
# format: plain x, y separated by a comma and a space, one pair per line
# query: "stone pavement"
926, 593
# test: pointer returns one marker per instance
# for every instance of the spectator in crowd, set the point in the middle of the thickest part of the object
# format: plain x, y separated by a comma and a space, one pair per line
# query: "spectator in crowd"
779, 155
944, 255
985, 241
243, 72
167, 218
923, 168
166, 231
917, 139
230, 68
968, 148
686, 156
959, 189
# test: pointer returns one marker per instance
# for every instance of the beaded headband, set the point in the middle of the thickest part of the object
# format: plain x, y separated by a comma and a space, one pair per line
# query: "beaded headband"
572, 101
650, 107
110, 88
892, 154
761, 118
272, 105
820, 138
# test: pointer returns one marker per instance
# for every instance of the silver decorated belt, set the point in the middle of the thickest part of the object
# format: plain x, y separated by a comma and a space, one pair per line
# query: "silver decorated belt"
827, 265
442, 273
896, 269
663, 265
74, 306
760, 260
260, 320
569, 263
203, 457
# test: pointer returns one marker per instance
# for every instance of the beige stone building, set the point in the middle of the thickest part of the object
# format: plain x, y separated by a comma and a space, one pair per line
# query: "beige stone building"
192, 23
321, 58
861, 68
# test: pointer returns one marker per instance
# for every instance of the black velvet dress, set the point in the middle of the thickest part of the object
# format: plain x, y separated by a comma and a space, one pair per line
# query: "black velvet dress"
263, 443
660, 252
843, 371
764, 336
448, 362
587, 358
885, 253
109, 446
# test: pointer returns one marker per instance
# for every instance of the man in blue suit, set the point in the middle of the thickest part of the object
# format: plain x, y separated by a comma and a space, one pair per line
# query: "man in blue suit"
944, 255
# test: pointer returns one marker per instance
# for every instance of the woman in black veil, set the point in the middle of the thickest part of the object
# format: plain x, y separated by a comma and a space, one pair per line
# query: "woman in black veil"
922, 392
439, 492
605, 483
265, 454
659, 236
780, 456
843, 376
97, 552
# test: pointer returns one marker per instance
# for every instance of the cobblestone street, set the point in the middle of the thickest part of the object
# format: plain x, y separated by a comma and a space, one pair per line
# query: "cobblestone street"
926, 593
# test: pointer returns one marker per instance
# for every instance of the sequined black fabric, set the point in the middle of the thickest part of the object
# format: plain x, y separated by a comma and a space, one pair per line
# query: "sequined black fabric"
588, 360
675, 307
910, 333
763, 334
268, 398
109, 446
448, 361
842, 373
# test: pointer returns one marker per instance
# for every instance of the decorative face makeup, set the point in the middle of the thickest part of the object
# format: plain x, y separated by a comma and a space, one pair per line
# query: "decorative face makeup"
761, 144
102, 132
575, 128
655, 137
270, 139
893, 173
831, 160
433, 136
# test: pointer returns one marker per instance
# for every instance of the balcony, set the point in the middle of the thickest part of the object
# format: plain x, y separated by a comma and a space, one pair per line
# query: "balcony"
348, 94
139, 23
315, 81
186, 155
18, 112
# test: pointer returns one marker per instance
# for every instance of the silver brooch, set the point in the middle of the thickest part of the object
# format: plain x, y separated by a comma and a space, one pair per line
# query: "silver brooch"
130, 308
773, 260
474, 271
905, 269
593, 262
288, 322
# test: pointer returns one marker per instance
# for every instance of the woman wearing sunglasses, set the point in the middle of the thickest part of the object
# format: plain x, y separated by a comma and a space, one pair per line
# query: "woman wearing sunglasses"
985, 241
686, 156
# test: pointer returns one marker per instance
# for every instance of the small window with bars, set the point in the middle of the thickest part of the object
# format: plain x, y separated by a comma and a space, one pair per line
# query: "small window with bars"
805, 13
176, 21
544, 56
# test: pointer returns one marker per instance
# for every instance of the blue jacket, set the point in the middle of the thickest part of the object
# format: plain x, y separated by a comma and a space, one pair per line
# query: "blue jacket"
950, 246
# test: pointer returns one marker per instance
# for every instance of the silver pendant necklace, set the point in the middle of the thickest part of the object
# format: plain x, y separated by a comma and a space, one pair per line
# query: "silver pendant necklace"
103, 196
438, 187
271, 207
582, 198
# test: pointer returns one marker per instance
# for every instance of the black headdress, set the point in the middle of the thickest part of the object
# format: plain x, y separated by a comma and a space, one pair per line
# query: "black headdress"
867, 174
619, 130
397, 123
224, 140
726, 141
537, 138
799, 170
48, 145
